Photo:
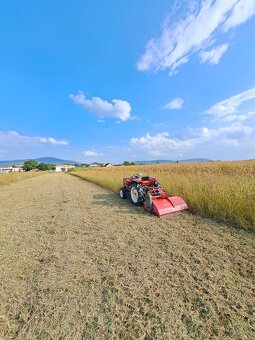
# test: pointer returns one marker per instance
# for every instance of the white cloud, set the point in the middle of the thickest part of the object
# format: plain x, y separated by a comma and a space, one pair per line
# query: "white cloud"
159, 144
89, 153
243, 11
199, 26
52, 141
229, 135
228, 110
213, 56
174, 104
14, 138
229, 132
238, 117
118, 108
162, 144
175, 65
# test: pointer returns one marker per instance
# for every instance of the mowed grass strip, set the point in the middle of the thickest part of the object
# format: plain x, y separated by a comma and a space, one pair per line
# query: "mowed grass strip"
76, 262
224, 191
13, 177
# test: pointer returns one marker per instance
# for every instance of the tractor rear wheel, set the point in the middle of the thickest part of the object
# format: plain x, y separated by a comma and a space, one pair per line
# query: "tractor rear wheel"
136, 195
123, 193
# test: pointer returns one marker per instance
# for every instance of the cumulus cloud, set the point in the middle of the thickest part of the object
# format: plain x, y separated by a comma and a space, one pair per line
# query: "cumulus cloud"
227, 132
89, 153
198, 26
174, 104
13, 137
162, 144
228, 109
213, 56
230, 132
159, 144
118, 108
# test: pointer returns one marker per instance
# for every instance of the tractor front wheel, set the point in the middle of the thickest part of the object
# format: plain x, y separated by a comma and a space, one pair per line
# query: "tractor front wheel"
148, 201
123, 193
136, 195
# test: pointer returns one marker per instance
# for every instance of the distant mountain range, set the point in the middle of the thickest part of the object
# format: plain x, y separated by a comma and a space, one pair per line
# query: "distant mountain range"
159, 161
56, 161
49, 160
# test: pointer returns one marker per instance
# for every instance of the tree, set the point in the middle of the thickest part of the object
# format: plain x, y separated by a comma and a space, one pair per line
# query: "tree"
45, 166
126, 163
29, 165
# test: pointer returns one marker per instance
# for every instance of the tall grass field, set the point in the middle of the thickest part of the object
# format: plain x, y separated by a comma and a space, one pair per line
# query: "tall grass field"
13, 177
224, 191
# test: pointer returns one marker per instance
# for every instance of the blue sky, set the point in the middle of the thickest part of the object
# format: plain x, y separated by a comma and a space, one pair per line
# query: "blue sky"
127, 80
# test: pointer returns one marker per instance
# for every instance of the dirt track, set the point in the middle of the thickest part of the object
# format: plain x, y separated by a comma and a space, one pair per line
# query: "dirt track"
77, 262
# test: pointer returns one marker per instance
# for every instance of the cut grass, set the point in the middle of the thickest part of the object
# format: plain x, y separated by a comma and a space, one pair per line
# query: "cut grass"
76, 262
224, 191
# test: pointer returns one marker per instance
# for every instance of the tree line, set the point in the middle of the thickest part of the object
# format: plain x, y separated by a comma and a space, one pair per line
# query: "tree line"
32, 165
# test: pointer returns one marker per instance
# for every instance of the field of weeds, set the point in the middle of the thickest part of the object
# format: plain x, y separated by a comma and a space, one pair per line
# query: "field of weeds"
224, 191
13, 177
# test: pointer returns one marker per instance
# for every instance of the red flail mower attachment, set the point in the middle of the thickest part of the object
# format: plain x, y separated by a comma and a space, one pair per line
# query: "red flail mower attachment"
148, 192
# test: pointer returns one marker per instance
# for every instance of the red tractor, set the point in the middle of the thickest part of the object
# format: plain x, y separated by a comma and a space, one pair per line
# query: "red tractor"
147, 191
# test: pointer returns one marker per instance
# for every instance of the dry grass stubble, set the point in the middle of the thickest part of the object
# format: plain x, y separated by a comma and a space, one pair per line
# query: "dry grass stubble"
79, 263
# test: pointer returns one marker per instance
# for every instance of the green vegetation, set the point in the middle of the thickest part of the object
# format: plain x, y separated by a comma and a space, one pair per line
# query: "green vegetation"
127, 163
30, 165
45, 167
83, 166
78, 168
33, 165
224, 191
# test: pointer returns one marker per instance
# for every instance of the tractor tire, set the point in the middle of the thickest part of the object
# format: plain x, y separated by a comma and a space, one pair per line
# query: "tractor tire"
123, 193
148, 200
136, 194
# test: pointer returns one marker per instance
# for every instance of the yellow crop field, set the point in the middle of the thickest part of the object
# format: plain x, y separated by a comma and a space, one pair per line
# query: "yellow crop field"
224, 191
16, 176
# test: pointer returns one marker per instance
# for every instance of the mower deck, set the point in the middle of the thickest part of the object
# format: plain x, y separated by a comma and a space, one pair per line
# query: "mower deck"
163, 207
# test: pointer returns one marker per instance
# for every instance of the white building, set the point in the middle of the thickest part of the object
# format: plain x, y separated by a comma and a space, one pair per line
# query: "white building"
108, 165
63, 167
6, 169
94, 165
